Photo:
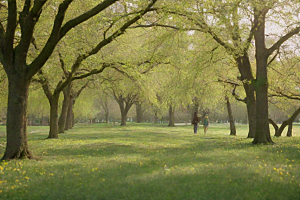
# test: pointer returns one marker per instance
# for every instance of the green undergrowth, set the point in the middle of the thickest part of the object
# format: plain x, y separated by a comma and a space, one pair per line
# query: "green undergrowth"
153, 162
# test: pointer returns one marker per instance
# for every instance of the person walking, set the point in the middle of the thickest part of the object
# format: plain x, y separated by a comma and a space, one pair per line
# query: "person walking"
205, 123
195, 121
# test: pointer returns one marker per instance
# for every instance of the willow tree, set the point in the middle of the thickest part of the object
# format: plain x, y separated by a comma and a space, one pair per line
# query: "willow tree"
20, 69
237, 26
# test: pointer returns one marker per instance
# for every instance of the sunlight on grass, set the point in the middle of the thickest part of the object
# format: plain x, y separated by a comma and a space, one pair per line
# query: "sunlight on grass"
152, 162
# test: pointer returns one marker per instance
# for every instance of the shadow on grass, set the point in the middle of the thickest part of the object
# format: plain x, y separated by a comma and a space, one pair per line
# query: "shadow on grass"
150, 181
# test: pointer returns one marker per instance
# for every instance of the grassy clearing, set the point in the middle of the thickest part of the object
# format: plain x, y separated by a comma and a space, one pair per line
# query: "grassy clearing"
104, 162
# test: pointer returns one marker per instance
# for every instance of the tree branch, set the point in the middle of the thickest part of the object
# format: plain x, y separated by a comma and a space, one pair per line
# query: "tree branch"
283, 39
84, 17
108, 40
53, 39
62, 65
28, 20
10, 33
94, 71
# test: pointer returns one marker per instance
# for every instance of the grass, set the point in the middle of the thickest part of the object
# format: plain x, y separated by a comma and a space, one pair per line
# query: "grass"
97, 162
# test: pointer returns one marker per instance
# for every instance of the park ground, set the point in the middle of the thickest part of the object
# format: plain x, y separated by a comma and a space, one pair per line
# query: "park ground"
152, 162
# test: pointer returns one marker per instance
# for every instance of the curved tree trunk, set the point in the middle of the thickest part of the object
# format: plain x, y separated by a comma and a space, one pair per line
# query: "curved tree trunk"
16, 125
278, 133
230, 116
171, 116
64, 110
274, 125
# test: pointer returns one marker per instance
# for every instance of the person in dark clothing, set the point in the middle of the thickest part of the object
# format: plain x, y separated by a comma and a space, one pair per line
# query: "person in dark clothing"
195, 121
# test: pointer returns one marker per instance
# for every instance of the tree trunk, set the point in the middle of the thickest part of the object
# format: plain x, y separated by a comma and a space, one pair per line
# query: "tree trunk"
123, 118
171, 116
139, 112
290, 130
124, 111
262, 131
69, 120
230, 116
195, 108
64, 110
53, 133
106, 117
16, 124
155, 118
287, 122
274, 125
245, 70
73, 119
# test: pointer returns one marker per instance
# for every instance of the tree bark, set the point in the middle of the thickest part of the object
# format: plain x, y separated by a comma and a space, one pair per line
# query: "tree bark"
139, 112
155, 118
290, 130
123, 118
64, 110
69, 120
274, 125
106, 117
262, 131
195, 107
171, 116
230, 116
53, 132
244, 67
16, 125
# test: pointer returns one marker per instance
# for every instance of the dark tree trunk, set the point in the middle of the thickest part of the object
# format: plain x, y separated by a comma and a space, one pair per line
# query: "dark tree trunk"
106, 117
274, 125
125, 104
247, 77
262, 131
155, 118
123, 118
230, 116
124, 108
195, 108
16, 125
64, 110
106, 110
290, 130
278, 133
69, 120
171, 116
53, 133
139, 112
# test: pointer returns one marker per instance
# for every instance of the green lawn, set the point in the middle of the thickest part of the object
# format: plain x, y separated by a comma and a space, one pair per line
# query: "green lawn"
104, 162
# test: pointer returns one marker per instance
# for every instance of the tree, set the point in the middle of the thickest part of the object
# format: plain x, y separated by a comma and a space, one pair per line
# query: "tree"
74, 94
230, 116
227, 25
14, 58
